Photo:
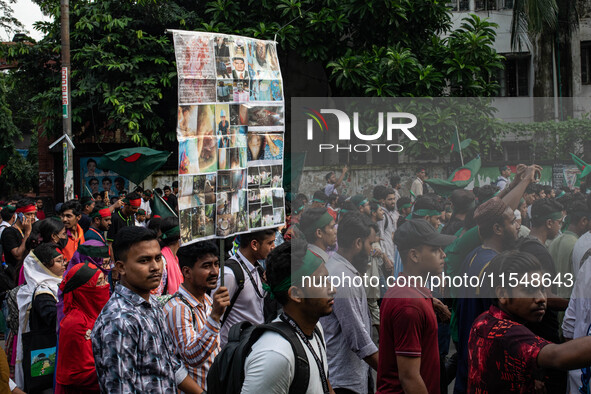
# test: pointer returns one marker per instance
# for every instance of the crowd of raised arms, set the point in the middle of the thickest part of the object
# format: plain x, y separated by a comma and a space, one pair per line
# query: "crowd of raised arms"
354, 294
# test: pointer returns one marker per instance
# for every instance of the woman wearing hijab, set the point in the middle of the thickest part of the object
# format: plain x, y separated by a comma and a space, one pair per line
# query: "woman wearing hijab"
91, 251
43, 269
85, 291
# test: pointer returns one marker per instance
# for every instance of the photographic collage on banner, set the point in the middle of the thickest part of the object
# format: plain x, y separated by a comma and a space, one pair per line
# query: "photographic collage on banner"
231, 132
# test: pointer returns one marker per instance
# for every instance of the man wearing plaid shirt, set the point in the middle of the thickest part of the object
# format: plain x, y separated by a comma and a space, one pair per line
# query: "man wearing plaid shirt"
192, 316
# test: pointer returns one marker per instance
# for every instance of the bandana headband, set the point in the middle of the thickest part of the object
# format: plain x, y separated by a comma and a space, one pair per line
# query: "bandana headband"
323, 221
103, 213
553, 216
134, 203
94, 251
311, 263
175, 231
426, 212
26, 209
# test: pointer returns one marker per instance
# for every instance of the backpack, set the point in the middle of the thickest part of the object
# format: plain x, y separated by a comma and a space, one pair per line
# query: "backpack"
271, 308
226, 374
12, 305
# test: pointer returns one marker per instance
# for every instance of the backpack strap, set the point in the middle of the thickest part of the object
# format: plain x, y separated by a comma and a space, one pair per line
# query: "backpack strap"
239, 275
184, 301
585, 257
301, 376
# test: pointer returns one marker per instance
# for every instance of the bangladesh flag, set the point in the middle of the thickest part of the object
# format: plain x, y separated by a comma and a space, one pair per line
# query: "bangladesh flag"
584, 167
135, 164
459, 179
161, 208
456, 145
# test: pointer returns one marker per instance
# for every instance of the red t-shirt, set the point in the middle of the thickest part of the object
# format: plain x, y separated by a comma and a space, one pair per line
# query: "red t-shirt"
408, 327
502, 354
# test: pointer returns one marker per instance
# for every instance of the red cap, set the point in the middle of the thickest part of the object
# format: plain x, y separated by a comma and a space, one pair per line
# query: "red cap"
105, 212
135, 203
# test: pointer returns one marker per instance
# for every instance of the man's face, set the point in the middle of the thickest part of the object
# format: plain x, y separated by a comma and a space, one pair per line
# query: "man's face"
525, 302
69, 219
88, 208
434, 220
239, 65
140, 218
167, 192
39, 204
104, 223
94, 185
430, 259
422, 174
205, 272
554, 227
141, 269
262, 249
31, 216
261, 51
318, 301
379, 214
130, 209
146, 198
406, 211
510, 229
542, 194
333, 178
390, 202
360, 260
328, 234
119, 185
506, 173
106, 185
365, 209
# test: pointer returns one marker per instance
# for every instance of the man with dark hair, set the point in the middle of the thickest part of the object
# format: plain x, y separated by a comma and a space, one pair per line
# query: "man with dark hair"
505, 356
175, 188
297, 279
170, 198
40, 213
107, 184
462, 202
408, 322
429, 208
132, 346
396, 185
417, 186
14, 238
332, 183
503, 179
87, 204
100, 222
318, 226
561, 249
389, 224
124, 217
498, 231
91, 169
120, 184
93, 185
193, 317
547, 218
70, 213
319, 199
146, 203
348, 327
361, 203
247, 298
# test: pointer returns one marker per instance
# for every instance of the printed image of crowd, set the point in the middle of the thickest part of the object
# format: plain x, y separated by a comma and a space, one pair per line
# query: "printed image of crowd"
98, 181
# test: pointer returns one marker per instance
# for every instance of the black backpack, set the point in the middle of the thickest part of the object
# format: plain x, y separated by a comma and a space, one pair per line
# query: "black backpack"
271, 307
226, 374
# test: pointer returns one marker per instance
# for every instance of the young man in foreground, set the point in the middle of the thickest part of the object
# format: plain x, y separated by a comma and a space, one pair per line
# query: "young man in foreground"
133, 349
503, 354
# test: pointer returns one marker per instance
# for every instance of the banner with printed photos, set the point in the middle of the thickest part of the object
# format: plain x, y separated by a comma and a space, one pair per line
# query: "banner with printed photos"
230, 131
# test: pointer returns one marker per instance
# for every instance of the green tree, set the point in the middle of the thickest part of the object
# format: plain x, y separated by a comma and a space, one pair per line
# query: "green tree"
124, 74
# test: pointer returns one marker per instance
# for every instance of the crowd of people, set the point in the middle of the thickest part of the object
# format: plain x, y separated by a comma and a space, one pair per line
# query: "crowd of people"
102, 297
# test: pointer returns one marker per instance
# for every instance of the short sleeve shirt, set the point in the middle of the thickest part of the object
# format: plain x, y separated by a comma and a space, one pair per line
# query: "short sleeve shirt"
502, 354
408, 327
11, 238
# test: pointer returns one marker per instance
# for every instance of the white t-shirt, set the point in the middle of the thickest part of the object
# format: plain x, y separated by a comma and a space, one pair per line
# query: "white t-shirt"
270, 367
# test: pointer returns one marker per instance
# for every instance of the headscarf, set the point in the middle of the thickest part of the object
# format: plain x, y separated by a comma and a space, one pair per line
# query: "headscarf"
83, 301
80, 291
41, 280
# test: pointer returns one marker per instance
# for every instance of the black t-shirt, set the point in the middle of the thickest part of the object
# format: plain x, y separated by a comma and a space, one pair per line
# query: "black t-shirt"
11, 238
118, 221
84, 222
548, 327
452, 226
172, 201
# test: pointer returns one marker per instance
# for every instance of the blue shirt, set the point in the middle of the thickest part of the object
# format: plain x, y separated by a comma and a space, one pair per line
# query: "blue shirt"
469, 308
132, 347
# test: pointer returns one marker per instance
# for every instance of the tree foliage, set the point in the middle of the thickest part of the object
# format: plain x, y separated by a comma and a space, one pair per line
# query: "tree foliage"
124, 74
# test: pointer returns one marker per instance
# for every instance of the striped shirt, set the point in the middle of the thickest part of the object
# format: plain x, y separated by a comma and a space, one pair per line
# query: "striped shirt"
194, 333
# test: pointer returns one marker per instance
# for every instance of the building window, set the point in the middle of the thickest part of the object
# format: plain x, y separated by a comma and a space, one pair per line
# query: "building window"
459, 5
516, 151
585, 62
514, 80
486, 5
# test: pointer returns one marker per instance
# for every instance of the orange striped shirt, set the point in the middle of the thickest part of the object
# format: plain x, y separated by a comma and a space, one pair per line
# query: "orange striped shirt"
195, 334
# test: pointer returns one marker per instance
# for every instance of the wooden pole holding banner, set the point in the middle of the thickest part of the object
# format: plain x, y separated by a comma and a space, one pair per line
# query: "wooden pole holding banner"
222, 260
459, 145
